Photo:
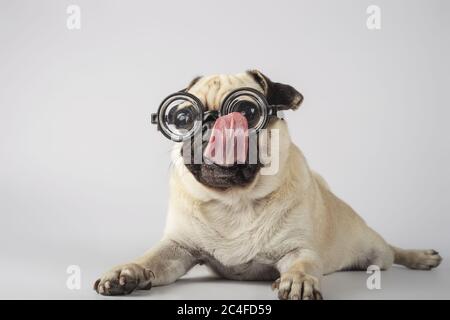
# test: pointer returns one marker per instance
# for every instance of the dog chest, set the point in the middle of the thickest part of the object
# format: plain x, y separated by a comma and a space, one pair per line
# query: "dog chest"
239, 234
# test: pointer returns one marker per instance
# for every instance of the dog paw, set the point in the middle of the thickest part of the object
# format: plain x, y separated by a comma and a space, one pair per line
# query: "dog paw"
297, 286
424, 259
123, 280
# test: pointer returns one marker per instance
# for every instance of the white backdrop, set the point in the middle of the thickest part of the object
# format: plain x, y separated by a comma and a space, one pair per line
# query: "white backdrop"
83, 174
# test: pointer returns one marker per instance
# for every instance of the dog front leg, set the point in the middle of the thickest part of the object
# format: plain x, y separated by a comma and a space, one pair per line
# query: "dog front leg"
162, 265
300, 275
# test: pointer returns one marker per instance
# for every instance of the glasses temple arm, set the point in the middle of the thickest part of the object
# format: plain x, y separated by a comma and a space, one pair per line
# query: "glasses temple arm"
273, 109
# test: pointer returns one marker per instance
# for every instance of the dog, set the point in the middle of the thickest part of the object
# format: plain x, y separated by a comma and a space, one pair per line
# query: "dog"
287, 227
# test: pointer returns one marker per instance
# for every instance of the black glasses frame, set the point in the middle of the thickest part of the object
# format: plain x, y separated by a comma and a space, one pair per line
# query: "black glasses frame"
209, 115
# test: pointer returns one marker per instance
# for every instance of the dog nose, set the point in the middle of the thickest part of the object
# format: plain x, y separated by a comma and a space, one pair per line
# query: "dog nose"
228, 142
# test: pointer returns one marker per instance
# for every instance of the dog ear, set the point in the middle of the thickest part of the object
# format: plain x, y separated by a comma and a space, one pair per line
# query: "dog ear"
277, 93
191, 84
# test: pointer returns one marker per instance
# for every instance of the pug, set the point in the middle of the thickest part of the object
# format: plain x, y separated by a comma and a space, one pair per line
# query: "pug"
274, 220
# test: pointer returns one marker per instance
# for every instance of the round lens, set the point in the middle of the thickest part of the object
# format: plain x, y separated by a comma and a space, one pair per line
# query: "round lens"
249, 110
250, 103
180, 116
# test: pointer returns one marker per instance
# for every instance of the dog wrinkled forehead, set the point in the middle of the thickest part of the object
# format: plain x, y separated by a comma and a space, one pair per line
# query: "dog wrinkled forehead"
212, 90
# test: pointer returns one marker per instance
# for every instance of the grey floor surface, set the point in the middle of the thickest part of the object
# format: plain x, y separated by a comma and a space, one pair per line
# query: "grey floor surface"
49, 282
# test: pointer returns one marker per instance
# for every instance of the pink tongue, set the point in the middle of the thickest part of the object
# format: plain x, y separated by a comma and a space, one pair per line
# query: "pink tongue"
228, 143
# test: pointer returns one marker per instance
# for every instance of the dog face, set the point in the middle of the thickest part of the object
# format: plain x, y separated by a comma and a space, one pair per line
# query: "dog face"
243, 174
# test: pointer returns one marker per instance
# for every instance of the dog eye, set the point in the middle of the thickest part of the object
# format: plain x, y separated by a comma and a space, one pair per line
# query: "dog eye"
249, 110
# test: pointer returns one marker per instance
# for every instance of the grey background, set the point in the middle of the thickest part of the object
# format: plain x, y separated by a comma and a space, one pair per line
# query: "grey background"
83, 175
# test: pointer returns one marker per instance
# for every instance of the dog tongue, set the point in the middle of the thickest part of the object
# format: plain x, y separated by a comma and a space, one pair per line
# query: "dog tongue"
228, 143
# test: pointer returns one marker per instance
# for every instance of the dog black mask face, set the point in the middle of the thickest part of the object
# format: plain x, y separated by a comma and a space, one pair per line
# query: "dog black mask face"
239, 174
221, 177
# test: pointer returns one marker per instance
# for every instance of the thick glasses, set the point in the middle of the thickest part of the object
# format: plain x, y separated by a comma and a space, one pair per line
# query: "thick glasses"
181, 115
